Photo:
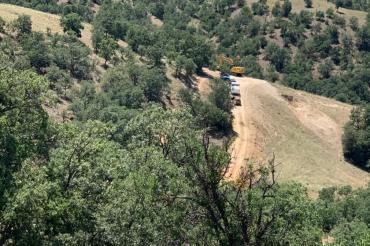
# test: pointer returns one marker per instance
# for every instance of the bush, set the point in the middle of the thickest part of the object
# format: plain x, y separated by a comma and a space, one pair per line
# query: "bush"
276, 10
320, 15
325, 69
286, 8
304, 18
330, 13
220, 95
271, 74
260, 8
23, 24
353, 23
279, 57
252, 67
2, 25
356, 138
208, 115
339, 21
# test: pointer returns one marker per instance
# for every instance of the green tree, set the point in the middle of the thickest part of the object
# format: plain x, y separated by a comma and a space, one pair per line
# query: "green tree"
153, 83
72, 23
70, 54
363, 38
276, 10
107, 47
23, 24
23, 123
325, 69
70, 186
356, 138
155, 54
137, 36
279, 57
353, 23
220, 95
124, 85
60, 80
320, 15
333, 34
183, 63
36, 49
286, 7
304, 18
339, 4
110, 19
260, 8
351, 233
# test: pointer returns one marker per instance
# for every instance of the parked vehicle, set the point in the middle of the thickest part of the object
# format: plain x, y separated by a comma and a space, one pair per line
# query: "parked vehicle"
235, 90
236, 100
233, 82
225, 77
238, 71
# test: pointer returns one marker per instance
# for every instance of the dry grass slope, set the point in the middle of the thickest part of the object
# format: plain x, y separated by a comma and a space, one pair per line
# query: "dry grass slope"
304, 133
41, 21
323, 5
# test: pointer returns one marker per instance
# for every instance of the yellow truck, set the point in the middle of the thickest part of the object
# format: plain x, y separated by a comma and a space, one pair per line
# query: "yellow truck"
235, 70
238, 71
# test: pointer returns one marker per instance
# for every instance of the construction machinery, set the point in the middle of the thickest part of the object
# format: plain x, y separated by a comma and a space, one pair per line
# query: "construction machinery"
238, 71
223, 61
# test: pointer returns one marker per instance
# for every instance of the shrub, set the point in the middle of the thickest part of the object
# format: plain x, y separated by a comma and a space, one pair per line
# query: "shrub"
353, 23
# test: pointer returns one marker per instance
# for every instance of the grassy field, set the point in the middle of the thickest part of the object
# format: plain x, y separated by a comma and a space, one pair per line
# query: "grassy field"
303, 131
323, 5
305, 136
41, 21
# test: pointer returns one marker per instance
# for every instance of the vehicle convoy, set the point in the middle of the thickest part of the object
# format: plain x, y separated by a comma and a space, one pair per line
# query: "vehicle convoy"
234, 88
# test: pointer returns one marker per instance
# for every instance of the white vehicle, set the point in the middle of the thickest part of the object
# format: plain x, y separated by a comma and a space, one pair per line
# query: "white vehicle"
235, 90
234, 83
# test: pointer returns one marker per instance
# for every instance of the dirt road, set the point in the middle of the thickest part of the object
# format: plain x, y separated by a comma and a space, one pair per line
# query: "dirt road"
248, 124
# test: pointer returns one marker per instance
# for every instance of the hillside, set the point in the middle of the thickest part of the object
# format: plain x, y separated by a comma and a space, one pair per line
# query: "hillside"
324, 5
305, 134
137, 142
41, 21
302, 130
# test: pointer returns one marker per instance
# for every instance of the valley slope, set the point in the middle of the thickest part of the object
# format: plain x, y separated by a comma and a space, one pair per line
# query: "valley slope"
304, 134
302, 130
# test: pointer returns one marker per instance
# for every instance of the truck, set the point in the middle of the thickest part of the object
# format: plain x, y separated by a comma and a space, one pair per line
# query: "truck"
236, 100
235, 94
238, 71
235, 90
223, 60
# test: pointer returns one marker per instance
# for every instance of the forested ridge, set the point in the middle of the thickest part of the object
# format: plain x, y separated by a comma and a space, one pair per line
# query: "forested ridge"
123, 166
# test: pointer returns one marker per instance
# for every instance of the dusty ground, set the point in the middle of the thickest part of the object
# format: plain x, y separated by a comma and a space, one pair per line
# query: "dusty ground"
304, 134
